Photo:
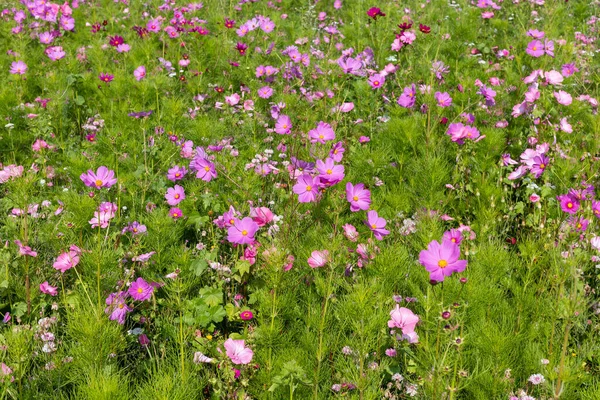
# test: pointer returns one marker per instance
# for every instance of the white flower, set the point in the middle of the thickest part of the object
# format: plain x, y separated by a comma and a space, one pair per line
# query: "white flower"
595, 242
201, 358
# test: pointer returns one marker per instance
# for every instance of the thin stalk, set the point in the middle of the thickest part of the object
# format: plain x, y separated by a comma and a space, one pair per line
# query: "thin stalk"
321, 328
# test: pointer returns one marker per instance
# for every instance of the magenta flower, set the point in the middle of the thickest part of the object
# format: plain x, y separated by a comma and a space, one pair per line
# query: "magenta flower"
306, 188
376, 81
535, 48
377, 225
318, 258
139, 73
237, 351
322, 133
140, 290
358, 196
205, 169
568, 204
329, 171
176, 173
175, 195
242, 231
549, 47
442, 260
443, 99
283, 126
337, 152
407, 99
404, 319
66, 261
48, 289
106, 78
175, 213
246, 315
18, 68
103, 178
375, 12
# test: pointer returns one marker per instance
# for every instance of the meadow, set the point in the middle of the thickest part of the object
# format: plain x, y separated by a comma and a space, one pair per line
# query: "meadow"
300, 199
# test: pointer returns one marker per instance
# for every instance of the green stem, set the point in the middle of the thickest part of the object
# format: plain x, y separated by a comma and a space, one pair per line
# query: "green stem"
321, 328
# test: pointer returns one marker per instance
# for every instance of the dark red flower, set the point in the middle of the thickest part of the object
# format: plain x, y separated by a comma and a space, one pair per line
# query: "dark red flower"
405, 26
115, 40
229, 23
424, 28
375, 12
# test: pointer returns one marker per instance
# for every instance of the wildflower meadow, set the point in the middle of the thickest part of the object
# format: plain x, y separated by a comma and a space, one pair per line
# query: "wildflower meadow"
300, 199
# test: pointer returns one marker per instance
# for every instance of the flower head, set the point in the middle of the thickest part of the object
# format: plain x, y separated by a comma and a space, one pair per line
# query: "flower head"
140, 290
102, 178
18, 68
377, 225
358, 196
441, 260
237, 351
242, 231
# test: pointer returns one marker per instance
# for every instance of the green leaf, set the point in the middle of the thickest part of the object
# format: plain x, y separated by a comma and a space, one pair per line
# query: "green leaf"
211, 296
199, 266
242, 266
19, 309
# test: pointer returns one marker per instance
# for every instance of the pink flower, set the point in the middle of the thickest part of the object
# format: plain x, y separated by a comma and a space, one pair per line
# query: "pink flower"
55, 53
176, 173
283, 126
237, 352
242, 231
568, 204
322, 133
404, 319
117, 307
318, 258
453, 235
563, 97
443, 99
103, 178
140, 290
407, 99
66, 261
377, 225
442, 260
376, 81
350, 232
175, 195
25, 250
358, 196
205, 169
261, 215
18, 68
139, 73
535, 48
329, 171
246, 315
553, 77
306, 188
265, 92
48, 289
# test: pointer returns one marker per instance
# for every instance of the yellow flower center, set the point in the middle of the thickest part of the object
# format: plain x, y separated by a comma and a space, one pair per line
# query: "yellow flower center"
140, 290
373, 226
321, 136
244, 232
376, 83
329, 172
177, 175
534, 48
569, 205
121, 305
308, 188
176, 196
98, 182
207, 169
542, 166
355, 198
284, 126
442, 263
453, 240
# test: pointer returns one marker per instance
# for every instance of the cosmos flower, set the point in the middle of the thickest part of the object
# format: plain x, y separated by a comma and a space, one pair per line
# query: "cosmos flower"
18, 68
377, 225
175, 195
66, 261
306, 188
242, 231
102, 178
318, 258
140, 290
46, 288
404, 319
441, 260
358, 196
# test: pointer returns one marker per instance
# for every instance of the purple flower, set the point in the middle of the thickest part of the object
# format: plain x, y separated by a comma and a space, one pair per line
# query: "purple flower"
453, 235
539, 165
442, 260
140, 290
443, 99
407, 99
139, 73
205, 169
596, 208
358, 196
117, 307
106, 78
376, 81
377, 225
306, 188
337, 152
46, 288
103, 178
175, 213
237, 351
489, 95
175, 195
265, 92
404, 319
242, 231
350, 65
